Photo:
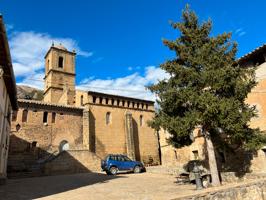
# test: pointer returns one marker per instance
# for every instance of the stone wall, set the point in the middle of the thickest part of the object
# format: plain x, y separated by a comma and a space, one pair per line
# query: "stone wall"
35, 140
73, 161
255, 190
111, 137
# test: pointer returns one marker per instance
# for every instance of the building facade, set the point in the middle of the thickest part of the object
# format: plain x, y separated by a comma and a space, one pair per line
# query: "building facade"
72, 120
238, 160
8, 99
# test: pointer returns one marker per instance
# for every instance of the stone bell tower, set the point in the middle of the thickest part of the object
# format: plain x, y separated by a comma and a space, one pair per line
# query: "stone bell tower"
59, 75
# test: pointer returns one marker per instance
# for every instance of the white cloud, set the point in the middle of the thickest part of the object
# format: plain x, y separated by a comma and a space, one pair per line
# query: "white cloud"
34, 80
28, 50
132, 85
240, 32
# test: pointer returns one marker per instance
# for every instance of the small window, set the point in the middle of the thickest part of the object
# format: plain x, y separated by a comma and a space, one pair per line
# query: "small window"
25, 116
106, 101
45, 117
48, 63
113, 102
101, 100
53, 117
14, 116
60, 62
128, 103
81, 100
34, 144
123, 103
141, 120
147, 106
137, 105
94, 99
118, 102
108, 118
133, 104
196, 155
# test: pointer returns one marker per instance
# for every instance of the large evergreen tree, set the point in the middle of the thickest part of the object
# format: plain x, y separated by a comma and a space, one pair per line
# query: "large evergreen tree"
206, 88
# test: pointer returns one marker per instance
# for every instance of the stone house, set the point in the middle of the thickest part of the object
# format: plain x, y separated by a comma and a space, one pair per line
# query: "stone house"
81, 126
238, 160
8, 99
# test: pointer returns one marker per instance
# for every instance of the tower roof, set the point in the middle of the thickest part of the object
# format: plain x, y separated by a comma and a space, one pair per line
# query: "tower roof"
60, 46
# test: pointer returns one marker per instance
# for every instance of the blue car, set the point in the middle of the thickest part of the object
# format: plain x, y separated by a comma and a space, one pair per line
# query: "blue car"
117, 162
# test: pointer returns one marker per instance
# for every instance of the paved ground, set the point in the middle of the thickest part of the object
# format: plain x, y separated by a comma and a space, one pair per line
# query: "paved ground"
90, 186
98, 186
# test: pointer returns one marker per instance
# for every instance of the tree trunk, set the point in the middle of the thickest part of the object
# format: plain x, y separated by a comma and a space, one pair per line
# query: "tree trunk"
212, 160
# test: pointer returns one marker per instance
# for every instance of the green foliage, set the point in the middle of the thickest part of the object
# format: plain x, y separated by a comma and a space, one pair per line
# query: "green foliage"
206, 87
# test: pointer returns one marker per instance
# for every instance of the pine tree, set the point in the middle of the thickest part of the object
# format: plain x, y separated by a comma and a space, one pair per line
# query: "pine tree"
206, 88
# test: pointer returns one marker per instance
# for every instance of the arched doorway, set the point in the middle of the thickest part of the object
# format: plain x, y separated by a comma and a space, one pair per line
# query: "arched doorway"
63, 146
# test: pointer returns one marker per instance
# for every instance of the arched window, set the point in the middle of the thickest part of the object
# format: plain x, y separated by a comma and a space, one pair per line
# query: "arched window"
63, 146
60, 62
81, 100
108, 118
141, 120
25, 115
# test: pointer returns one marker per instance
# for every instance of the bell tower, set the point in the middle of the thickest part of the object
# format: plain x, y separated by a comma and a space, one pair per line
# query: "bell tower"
59, 75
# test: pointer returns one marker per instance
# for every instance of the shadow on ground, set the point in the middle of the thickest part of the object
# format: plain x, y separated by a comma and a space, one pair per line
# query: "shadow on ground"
32, 188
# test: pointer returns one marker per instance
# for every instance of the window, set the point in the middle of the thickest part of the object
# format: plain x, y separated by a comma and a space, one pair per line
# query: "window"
141, 120
25, 116
106, 101
108, 118
133, 104
123, 103
53, 117
81, 100
128, 103
118, 102
45, 117
94, 99
14, 116
113, 102
147, 106
60, 62
48, 63
137, 105
34, 144
101, 100
196, 155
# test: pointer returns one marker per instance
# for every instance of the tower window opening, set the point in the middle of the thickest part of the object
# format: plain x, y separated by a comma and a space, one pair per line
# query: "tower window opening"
94, 99
45, 117
113, 102
101, 100
81, 100
60, 62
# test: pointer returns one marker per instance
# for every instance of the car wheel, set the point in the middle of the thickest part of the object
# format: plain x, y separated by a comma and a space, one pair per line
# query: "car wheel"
137, 169
113, 170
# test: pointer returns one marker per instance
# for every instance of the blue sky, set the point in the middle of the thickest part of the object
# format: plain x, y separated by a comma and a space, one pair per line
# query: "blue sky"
119, 42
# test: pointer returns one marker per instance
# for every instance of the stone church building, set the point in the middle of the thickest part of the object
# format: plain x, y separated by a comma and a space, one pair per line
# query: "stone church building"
71, 130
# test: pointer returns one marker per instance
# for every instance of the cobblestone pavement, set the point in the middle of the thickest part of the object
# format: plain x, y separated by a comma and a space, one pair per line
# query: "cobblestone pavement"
92, 186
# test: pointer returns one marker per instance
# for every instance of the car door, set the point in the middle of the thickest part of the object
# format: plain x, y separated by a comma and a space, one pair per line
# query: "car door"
129, 164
